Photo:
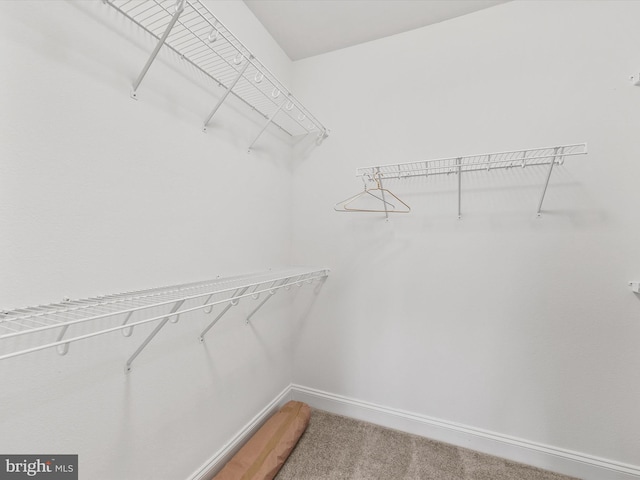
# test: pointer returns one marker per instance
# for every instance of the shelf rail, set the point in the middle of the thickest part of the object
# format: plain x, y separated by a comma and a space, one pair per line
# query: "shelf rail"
189, 29
532, 157
31, 329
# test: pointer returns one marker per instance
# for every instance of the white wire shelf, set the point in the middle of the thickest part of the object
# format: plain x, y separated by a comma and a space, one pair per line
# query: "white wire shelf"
28, 330
532, 157
189, 29
471, 163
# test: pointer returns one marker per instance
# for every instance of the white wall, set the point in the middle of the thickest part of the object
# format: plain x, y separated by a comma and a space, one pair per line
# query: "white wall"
101, 194
499, 321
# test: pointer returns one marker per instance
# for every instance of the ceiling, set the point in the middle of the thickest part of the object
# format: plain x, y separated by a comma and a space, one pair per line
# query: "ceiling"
304, 28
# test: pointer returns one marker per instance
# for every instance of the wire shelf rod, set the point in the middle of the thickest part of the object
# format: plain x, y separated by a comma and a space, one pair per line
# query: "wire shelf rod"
165, 302
531, 157
169, 292
311, 276
241, 48
27, 318
508, 159
475, 166
213, 78
44, 312
117, 312
197, 37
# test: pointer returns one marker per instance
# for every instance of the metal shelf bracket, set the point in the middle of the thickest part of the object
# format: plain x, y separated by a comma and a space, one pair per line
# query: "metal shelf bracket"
459, 164
176, 307
269, 120
178, 10
270, 294
233, 301
556, 151
225, 95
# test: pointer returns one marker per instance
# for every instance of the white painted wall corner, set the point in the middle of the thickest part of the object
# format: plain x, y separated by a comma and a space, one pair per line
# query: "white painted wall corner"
580, 465
222, 456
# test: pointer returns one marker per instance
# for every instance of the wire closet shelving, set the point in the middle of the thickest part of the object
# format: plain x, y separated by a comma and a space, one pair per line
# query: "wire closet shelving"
532, 157
27, 330
189, 29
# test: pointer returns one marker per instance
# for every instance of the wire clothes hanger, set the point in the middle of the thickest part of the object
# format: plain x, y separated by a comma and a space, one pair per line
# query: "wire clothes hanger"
380, 194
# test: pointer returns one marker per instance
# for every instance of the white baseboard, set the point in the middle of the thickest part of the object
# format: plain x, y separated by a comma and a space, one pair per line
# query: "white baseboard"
222, 456
580, 465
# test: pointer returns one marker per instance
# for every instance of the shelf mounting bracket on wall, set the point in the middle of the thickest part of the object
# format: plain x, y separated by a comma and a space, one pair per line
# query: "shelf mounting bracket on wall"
459, 164
163, 322
556, 151
269, 120
270, 294
178, 10
233, 301
225, 95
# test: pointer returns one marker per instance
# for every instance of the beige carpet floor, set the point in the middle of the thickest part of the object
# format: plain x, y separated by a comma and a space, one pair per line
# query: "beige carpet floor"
335, 447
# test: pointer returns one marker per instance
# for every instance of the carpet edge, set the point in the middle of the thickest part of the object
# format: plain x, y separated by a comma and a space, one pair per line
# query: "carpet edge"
567, 462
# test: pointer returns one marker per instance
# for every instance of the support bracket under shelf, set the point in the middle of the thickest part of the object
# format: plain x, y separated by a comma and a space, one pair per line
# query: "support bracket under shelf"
233, 301
163, 322
179, 8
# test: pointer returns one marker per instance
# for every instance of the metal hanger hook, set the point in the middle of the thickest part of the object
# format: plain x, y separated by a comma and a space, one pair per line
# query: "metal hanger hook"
376, 178
238, 59
213, 36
